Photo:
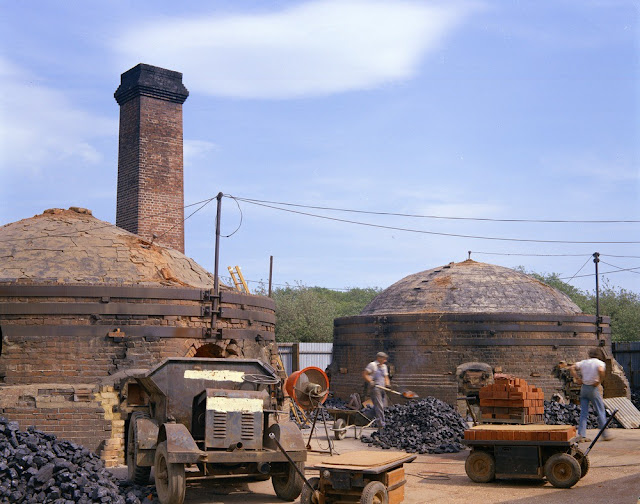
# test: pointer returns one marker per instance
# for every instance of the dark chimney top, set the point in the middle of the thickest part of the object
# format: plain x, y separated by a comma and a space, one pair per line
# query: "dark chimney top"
150, 155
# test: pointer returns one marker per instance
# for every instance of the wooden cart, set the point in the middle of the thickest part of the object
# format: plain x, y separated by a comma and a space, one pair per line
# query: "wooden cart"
525, 451
366, 477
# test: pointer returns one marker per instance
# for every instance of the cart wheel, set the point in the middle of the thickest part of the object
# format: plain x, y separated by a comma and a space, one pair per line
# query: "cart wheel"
374, 493
583, 460
307, 496
562, 470
170, 480
340, 428
138, 474
480, 467
289, 485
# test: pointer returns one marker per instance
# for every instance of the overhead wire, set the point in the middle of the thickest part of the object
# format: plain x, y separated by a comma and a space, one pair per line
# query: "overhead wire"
487, 219
420, 231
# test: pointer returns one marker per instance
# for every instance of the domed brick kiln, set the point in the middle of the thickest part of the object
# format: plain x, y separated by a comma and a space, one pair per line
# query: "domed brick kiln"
465, 318
83, 302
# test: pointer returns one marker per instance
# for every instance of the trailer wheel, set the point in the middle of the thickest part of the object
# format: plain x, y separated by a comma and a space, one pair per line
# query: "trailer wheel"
374, 493
307, 496
289, 485
562, 470
138, 474
340, 428
583, 460
480, 467
170, 479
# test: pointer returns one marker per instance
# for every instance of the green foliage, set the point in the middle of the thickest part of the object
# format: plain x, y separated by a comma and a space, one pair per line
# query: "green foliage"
621, 305
306, 313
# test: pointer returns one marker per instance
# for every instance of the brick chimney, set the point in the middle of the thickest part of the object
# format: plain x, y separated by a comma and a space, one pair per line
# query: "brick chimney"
150, 158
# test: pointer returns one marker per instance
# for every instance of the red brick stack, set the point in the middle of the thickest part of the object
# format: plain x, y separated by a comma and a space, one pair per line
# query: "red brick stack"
520, 433
513, 401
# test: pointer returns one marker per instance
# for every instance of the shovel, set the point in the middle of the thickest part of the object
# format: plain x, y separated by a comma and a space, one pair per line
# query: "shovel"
407, 394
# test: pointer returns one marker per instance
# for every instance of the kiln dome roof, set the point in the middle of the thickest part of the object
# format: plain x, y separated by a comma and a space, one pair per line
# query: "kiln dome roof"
72, 246
470, 287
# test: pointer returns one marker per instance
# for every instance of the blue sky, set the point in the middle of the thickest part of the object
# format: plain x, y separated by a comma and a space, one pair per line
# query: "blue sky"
494, 109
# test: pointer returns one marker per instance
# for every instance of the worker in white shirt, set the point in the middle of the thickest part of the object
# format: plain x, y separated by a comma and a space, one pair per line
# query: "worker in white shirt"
376, 373
591, 373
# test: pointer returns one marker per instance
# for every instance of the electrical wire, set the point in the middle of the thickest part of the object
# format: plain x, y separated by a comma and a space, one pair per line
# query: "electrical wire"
241, 217
604, 273
581, 267
419, 231
185, 219
619, 268
486, 219
549, 255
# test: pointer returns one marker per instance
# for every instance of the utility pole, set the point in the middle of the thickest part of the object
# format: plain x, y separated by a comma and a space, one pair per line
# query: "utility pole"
216, 281
596, 260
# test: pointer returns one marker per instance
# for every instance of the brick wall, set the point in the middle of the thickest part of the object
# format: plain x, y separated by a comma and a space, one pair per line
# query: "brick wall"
60, 382
426, 349
150, 155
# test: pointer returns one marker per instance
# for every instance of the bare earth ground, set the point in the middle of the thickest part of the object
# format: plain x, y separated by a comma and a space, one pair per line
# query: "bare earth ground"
614, 478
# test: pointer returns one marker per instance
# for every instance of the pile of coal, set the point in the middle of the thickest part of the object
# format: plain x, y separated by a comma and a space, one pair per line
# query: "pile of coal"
425, 426
569, 414
635, 397
36, 467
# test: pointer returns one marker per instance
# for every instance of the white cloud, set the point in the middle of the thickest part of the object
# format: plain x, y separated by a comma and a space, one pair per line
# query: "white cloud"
197, 149
312, 49
39, 125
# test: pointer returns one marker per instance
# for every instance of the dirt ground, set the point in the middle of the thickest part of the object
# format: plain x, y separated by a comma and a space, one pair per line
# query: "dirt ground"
614, 478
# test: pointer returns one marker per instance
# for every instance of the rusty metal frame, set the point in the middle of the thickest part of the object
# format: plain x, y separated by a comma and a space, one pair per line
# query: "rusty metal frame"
133, 331
467, 317
247, 299
105, 308
125, 292
252, 316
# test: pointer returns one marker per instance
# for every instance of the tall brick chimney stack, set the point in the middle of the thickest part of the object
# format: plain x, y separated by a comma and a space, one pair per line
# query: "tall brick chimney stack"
150, 158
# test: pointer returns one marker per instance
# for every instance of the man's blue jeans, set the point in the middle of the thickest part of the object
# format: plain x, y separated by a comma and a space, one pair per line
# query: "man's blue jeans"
589, 393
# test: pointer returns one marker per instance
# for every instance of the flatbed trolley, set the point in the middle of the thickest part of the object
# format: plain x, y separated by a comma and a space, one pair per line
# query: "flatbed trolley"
562, 462
364, 477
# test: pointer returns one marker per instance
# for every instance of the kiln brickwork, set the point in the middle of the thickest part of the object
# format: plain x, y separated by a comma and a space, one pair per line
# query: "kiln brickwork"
434, 321
82, 301
150, 156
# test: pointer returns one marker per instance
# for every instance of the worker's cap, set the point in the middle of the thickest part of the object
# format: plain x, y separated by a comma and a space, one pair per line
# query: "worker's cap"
382, 355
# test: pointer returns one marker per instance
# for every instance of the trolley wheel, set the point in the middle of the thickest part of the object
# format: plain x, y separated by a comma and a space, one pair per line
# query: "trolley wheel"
307, 496
289, 485
340, 428
170, 479
374, 493
138, 474
562, 470
583, 460
480, 466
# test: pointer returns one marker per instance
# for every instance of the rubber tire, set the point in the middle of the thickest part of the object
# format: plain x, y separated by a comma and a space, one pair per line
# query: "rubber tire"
306, 496
339, 424
374, 493
480, 466
170, 479
583, 460
289, 487
562, 470
135, 473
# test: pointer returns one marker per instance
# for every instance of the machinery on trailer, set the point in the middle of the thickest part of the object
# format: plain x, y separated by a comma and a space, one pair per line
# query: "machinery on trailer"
210, 419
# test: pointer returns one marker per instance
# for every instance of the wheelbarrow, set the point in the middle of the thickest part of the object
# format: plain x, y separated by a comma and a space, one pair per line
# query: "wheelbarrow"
345, 419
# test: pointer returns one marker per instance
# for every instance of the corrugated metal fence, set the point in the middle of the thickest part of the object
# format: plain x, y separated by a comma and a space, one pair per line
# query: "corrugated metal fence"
628, 356
297, 356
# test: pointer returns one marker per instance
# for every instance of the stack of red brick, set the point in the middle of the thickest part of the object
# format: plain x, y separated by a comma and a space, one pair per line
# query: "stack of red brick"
512, 399
520, 433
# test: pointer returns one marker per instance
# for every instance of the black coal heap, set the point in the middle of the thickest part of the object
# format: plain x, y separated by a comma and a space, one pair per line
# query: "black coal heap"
36, 467
425, 426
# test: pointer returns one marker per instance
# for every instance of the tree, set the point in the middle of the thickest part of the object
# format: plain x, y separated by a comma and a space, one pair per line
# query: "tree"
621, 305
307, 313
